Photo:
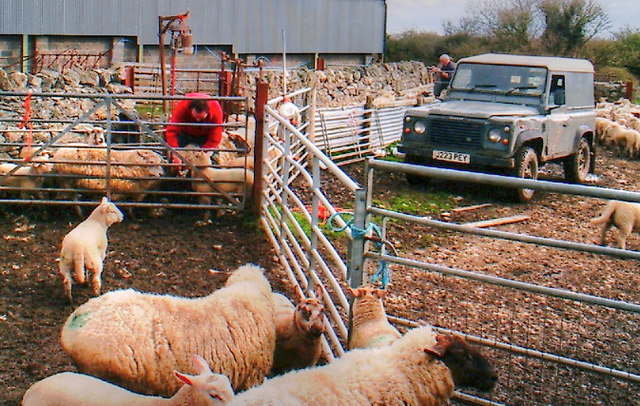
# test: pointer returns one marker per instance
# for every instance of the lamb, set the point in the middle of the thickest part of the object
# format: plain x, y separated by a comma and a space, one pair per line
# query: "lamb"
625, 216
626, 139
418, 369
27, 177
137, 339
132, 171
299, 331
370, 327
85, 247
73, 389
227, 180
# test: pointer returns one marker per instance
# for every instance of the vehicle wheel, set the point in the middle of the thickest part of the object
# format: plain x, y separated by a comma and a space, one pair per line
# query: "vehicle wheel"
527, 168
576, 166
415, 179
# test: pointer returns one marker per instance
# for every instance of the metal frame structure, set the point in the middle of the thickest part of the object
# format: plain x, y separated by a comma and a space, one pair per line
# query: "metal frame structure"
292, 215
149, 136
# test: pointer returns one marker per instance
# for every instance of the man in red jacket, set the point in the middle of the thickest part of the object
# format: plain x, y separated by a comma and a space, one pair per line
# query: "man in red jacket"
195, 111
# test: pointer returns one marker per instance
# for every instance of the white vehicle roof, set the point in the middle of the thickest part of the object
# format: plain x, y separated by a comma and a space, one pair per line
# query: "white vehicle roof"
550, 62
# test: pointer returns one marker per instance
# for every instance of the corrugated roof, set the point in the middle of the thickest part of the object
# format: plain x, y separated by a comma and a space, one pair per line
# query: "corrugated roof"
550, 62
250, 26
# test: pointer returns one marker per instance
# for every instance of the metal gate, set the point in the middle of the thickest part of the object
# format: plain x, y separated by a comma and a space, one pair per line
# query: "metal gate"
92, 145
594, 338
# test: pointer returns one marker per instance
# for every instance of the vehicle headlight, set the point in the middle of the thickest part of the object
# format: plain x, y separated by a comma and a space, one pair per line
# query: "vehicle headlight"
495, 135
419, 127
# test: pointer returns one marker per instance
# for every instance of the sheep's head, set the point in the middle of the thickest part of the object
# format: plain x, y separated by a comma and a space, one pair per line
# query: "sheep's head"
197, 157
110, 212
467, 365
96, 137
42, 163
368, 298
215, 389
309, 314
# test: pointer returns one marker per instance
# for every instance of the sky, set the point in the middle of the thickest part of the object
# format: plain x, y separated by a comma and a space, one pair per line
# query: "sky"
430, 15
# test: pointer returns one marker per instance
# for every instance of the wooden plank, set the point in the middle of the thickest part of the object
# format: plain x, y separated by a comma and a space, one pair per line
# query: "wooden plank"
469, 208
499, 221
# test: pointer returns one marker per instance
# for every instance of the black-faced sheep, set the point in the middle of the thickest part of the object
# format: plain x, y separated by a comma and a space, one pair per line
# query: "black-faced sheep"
299, 331
625, 216
73, 389
420, 368
136, 340
370, 327
85, 247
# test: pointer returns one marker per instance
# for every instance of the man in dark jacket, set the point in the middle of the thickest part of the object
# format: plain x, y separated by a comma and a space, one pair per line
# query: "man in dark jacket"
444, 71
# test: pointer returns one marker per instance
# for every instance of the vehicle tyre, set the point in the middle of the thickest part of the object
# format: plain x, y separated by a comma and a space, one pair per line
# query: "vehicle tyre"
576, 166
527, 168
415, 179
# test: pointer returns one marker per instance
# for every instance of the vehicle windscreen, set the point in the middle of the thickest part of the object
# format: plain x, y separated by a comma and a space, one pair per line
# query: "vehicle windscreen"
503, 79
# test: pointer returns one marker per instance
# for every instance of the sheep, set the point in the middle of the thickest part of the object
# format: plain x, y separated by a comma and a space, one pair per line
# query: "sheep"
370, 327
625, 216
420, 368
27, 177
227, 180
626, 139
73, 389
85, 247
132, 172
137, 339
299, 331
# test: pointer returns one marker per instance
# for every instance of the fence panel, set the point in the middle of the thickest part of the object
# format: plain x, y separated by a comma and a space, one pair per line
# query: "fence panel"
551, 345
55, 133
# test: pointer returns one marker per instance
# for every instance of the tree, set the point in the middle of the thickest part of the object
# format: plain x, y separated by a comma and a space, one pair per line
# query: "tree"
570, 24
628, 42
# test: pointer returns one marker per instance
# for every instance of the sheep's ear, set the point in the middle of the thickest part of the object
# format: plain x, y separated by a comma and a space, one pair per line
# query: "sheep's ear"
354, 292
186, 379
440, 347
105, 200
200, 364
299, 294
381, 293
318, 291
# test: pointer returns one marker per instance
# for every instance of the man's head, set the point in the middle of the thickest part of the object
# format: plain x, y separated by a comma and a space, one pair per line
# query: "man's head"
199, 109
444, 58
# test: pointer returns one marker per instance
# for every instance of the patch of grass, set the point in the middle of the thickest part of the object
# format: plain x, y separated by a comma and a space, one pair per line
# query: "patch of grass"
418, 202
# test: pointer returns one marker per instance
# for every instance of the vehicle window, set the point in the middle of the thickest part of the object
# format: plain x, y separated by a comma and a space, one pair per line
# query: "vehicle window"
557, 92
500, 78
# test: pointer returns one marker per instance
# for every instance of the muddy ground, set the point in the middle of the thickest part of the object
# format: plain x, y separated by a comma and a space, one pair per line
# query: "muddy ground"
173, 255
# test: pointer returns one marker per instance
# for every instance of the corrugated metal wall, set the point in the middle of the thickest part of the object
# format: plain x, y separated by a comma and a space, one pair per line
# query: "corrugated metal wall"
251, 26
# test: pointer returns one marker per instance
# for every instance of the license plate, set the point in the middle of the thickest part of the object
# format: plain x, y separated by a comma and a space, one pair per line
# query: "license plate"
451, 157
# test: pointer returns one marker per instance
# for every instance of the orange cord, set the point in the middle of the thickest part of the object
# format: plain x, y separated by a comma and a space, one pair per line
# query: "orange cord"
26, 122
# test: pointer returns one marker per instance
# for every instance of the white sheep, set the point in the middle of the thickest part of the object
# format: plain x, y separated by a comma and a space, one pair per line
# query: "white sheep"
73, 389
299, 331
85, 247
208, 179
370, 327
27, 176
136, 339
132, 172
418, 369
625, 216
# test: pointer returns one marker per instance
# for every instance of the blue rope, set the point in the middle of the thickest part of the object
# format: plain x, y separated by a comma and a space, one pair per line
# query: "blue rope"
383, 274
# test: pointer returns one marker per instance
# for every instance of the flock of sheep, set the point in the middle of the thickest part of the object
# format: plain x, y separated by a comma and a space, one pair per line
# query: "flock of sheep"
78, 163
618, 125
138, 348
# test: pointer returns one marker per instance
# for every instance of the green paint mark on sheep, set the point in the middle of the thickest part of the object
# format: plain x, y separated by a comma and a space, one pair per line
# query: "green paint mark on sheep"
78, 320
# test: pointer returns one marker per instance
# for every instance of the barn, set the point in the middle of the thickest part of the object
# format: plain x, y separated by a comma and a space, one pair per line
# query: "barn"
109, 32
